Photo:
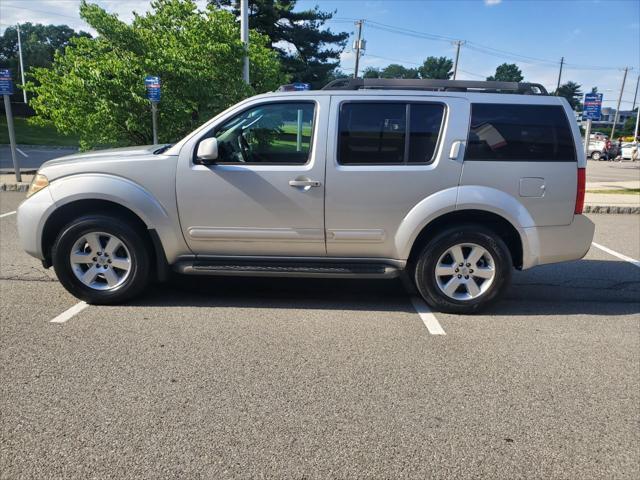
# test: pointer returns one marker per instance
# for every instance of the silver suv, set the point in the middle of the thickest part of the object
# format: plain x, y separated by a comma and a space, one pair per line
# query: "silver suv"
451, 183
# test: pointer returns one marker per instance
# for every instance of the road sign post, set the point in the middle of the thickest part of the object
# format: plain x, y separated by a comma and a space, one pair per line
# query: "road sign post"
6, 90
587, 138
152, 85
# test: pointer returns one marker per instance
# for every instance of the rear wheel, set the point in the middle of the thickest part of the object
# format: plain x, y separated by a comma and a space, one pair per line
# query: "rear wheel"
101, 259
595, 155
463, 269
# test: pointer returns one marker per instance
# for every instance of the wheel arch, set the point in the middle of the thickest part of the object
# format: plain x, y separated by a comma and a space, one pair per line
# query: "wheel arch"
67, 212
494, 222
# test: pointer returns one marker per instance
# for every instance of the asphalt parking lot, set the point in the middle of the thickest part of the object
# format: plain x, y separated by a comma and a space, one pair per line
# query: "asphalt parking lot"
212, 378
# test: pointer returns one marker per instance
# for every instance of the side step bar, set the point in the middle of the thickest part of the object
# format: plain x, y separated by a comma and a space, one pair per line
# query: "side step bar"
319, 269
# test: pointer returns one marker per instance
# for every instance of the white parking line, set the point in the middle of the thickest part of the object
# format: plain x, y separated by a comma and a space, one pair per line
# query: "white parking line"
67, 314
429, 319
24, 154
7, 214
632, 261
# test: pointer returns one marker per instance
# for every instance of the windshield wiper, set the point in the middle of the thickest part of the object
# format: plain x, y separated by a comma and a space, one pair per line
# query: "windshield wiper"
163, 149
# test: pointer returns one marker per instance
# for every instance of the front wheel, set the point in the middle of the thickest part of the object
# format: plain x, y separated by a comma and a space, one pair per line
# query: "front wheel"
101, 259
463, 269
595, 155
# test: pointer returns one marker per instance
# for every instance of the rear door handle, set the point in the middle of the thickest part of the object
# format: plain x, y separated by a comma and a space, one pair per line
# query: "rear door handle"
304, 183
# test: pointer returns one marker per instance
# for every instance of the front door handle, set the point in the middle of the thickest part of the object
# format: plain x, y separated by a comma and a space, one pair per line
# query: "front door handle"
304, 183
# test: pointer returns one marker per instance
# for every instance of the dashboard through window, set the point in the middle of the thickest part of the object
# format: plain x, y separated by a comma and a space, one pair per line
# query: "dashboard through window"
268, 134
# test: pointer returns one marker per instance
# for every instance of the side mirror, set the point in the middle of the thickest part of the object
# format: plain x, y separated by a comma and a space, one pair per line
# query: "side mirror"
208, 150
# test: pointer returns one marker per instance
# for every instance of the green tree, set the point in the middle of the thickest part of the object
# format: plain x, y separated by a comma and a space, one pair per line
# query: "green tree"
507, 72
571, 91
436, 68
308, 51
396, 70
371, 72
39, 43
629, 126
95, 89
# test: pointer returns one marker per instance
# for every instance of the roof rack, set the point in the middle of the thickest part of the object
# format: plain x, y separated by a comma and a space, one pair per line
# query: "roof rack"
435, 85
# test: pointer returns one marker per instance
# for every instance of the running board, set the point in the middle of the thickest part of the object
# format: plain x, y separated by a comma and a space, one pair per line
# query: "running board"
286, 269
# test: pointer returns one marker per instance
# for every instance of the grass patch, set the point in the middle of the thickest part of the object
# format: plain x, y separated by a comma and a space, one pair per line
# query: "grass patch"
28, 134
618, 191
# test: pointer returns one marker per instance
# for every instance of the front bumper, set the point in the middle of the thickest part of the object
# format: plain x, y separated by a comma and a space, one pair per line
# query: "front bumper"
31, 217
559, 243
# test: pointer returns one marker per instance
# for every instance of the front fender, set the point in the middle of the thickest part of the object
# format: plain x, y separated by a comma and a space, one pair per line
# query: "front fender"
96, 186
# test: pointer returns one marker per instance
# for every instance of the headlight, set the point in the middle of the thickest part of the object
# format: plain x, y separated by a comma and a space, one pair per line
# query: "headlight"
38, 183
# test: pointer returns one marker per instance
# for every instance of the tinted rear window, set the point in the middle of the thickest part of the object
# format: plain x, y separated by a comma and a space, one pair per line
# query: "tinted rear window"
389, 132
519, 133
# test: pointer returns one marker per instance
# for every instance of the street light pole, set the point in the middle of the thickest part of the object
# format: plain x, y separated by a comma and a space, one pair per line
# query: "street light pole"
24, 92
615, 117
244, 37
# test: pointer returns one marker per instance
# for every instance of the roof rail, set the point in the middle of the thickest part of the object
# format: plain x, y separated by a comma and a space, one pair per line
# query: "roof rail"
435, 85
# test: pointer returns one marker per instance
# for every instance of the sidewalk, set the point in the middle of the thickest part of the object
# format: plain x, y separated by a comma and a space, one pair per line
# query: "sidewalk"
594, 202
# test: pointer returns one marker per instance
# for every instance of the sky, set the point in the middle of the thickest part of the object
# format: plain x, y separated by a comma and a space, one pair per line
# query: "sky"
597, 38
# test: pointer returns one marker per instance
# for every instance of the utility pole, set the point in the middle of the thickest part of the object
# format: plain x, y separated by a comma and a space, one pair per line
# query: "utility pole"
24, 92
560, 75
244, 37
358, 46
635, 95
615, 117
458, 44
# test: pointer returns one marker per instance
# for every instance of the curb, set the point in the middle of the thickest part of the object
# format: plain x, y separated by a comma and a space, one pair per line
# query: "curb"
14, 187
611, 209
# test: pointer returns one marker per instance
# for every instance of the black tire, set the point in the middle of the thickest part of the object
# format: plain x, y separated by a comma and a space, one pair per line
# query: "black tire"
596, 155
135, 242
424, 272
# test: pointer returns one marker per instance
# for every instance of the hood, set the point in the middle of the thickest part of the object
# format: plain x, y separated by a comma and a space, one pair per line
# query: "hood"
102, 155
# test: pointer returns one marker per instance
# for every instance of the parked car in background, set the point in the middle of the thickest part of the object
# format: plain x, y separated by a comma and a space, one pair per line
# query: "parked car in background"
596, 150
451, 183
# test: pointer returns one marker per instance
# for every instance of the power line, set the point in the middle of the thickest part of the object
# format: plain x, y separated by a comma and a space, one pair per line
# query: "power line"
487, 50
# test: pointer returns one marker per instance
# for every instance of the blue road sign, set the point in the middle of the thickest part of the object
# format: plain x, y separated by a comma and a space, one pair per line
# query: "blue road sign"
295, 87
6, 82
592, 106
153, 88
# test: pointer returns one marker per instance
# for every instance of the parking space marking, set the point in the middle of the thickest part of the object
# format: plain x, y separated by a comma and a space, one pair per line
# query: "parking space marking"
632, 261
7, 214
428, 318
67, 314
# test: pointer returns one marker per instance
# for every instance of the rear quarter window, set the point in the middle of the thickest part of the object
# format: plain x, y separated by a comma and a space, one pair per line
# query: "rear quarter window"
503, 132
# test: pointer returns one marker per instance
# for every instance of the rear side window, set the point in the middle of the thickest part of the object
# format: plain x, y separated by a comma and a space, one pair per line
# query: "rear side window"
388, 132
519, 133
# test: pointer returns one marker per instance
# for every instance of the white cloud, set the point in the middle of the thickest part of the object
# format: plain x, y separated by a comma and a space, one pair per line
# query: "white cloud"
490, 3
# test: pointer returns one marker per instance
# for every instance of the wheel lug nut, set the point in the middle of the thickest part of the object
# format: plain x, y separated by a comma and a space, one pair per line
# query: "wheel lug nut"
462, 264
110, 262
457, 270
95, 259
467, 277
470, 270
459, 276
468, 264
